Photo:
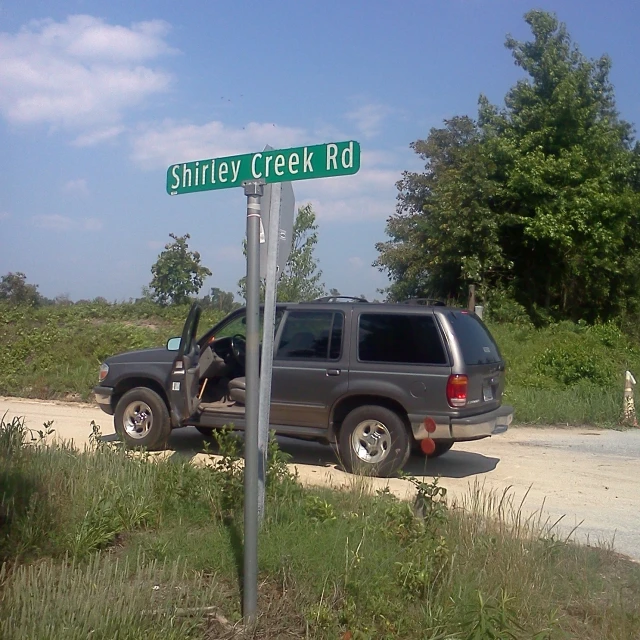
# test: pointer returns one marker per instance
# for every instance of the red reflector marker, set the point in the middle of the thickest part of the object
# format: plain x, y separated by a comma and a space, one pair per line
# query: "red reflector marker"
429, 425
428, 446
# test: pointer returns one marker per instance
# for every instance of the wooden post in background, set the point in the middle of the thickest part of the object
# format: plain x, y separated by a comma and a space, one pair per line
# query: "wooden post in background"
472, 297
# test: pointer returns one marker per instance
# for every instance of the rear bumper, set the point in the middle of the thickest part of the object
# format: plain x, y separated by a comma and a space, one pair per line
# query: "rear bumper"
470, 428
103, 398
483, 425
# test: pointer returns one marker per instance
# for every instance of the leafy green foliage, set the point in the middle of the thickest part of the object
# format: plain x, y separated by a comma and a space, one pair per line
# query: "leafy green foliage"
177, 273
54, 351
14, 289
219, 300
539, 198
300, 280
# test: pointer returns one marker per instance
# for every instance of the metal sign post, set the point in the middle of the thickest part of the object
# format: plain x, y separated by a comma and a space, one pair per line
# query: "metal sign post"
253, 191
253, 171
271, 276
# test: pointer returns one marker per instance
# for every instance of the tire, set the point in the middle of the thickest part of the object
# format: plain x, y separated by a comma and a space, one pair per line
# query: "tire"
142, 420
206, 431
373, 441
442, 446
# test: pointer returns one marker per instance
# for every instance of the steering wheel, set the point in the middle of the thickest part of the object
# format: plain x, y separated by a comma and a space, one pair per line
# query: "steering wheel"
238, 345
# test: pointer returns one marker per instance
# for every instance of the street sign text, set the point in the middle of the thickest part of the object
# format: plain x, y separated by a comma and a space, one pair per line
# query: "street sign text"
277, 165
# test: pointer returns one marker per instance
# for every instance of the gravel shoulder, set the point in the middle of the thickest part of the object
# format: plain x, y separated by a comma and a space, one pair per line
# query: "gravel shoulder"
589, 478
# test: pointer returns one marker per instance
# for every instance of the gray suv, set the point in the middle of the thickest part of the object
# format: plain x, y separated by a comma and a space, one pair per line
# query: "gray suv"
377, 379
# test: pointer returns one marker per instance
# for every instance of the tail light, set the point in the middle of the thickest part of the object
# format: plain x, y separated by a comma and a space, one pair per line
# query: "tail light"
457, 390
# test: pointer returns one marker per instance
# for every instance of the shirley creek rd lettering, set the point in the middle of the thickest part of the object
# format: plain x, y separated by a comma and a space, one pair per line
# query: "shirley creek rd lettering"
284, 165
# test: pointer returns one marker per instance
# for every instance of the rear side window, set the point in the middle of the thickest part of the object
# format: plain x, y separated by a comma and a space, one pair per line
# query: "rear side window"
401, 339
478, 347
312, 335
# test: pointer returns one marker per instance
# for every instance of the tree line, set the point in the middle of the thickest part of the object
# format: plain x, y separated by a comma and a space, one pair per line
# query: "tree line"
536, 201
178, 275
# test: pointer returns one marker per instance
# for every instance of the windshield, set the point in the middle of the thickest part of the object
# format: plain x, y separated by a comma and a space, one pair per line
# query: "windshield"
237, 326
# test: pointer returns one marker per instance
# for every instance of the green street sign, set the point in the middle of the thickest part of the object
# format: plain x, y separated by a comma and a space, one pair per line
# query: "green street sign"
277, 165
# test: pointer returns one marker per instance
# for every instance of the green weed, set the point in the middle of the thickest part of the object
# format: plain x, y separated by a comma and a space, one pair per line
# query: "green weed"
109, 544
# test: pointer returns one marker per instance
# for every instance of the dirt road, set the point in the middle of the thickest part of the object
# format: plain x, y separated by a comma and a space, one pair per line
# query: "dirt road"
589, 477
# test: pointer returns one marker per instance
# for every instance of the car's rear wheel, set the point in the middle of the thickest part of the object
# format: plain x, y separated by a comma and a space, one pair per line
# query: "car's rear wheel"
442, 446
373, 441
142, 419
206, 431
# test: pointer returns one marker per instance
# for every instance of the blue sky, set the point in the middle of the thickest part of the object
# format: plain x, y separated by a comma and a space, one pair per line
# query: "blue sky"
97, 99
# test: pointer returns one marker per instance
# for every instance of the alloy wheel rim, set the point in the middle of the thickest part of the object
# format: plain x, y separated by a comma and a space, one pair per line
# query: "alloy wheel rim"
137, 419
371, 441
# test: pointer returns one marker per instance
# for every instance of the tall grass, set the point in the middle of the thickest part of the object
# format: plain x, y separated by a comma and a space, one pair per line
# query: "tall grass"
567, 373
55, 351
112, 544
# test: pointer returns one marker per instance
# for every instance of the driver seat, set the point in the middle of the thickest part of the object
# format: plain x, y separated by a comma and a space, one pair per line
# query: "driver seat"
238, 390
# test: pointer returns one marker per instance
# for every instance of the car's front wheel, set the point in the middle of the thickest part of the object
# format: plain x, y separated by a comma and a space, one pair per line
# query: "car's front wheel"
374, 441
142, 419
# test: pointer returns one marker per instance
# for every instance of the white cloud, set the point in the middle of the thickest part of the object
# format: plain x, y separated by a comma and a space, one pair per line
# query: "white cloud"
56, 222
356, 262
53, 221
98, 135
368, 118
92, 224
76, 187
80, 74
4, 215
371, 193
170, 142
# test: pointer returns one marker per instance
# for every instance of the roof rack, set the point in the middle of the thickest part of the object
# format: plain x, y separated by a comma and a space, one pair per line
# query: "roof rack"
429, 302
340, 299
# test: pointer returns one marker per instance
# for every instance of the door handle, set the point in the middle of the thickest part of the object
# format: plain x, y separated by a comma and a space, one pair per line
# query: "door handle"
333, 372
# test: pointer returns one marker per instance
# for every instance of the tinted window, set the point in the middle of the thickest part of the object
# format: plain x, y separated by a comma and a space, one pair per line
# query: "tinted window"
311, 334
407, 339
478, 347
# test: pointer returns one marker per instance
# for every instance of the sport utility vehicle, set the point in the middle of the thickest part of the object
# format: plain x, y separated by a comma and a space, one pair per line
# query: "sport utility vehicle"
374, 378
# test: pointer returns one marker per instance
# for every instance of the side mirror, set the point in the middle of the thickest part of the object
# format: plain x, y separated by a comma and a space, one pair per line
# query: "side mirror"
173, 344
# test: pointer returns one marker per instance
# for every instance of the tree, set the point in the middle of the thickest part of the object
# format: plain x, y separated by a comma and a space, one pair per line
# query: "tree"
300, 280
539, 198
177, 274
444, 233
220, 300
14, 289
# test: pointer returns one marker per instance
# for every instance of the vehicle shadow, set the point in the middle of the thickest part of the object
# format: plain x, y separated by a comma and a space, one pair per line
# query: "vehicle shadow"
188, 443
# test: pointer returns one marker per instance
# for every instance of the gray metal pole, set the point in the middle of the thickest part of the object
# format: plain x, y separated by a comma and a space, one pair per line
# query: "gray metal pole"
253, 191
267, 342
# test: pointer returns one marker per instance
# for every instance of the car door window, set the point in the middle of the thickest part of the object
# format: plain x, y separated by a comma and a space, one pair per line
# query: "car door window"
315, 335
238, 326
401, 339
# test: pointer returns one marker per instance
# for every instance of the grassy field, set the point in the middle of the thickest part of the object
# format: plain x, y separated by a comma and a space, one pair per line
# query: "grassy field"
108, 544
55, 351
562, 374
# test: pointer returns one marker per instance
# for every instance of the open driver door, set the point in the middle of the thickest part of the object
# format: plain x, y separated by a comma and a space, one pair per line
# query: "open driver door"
185, 373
